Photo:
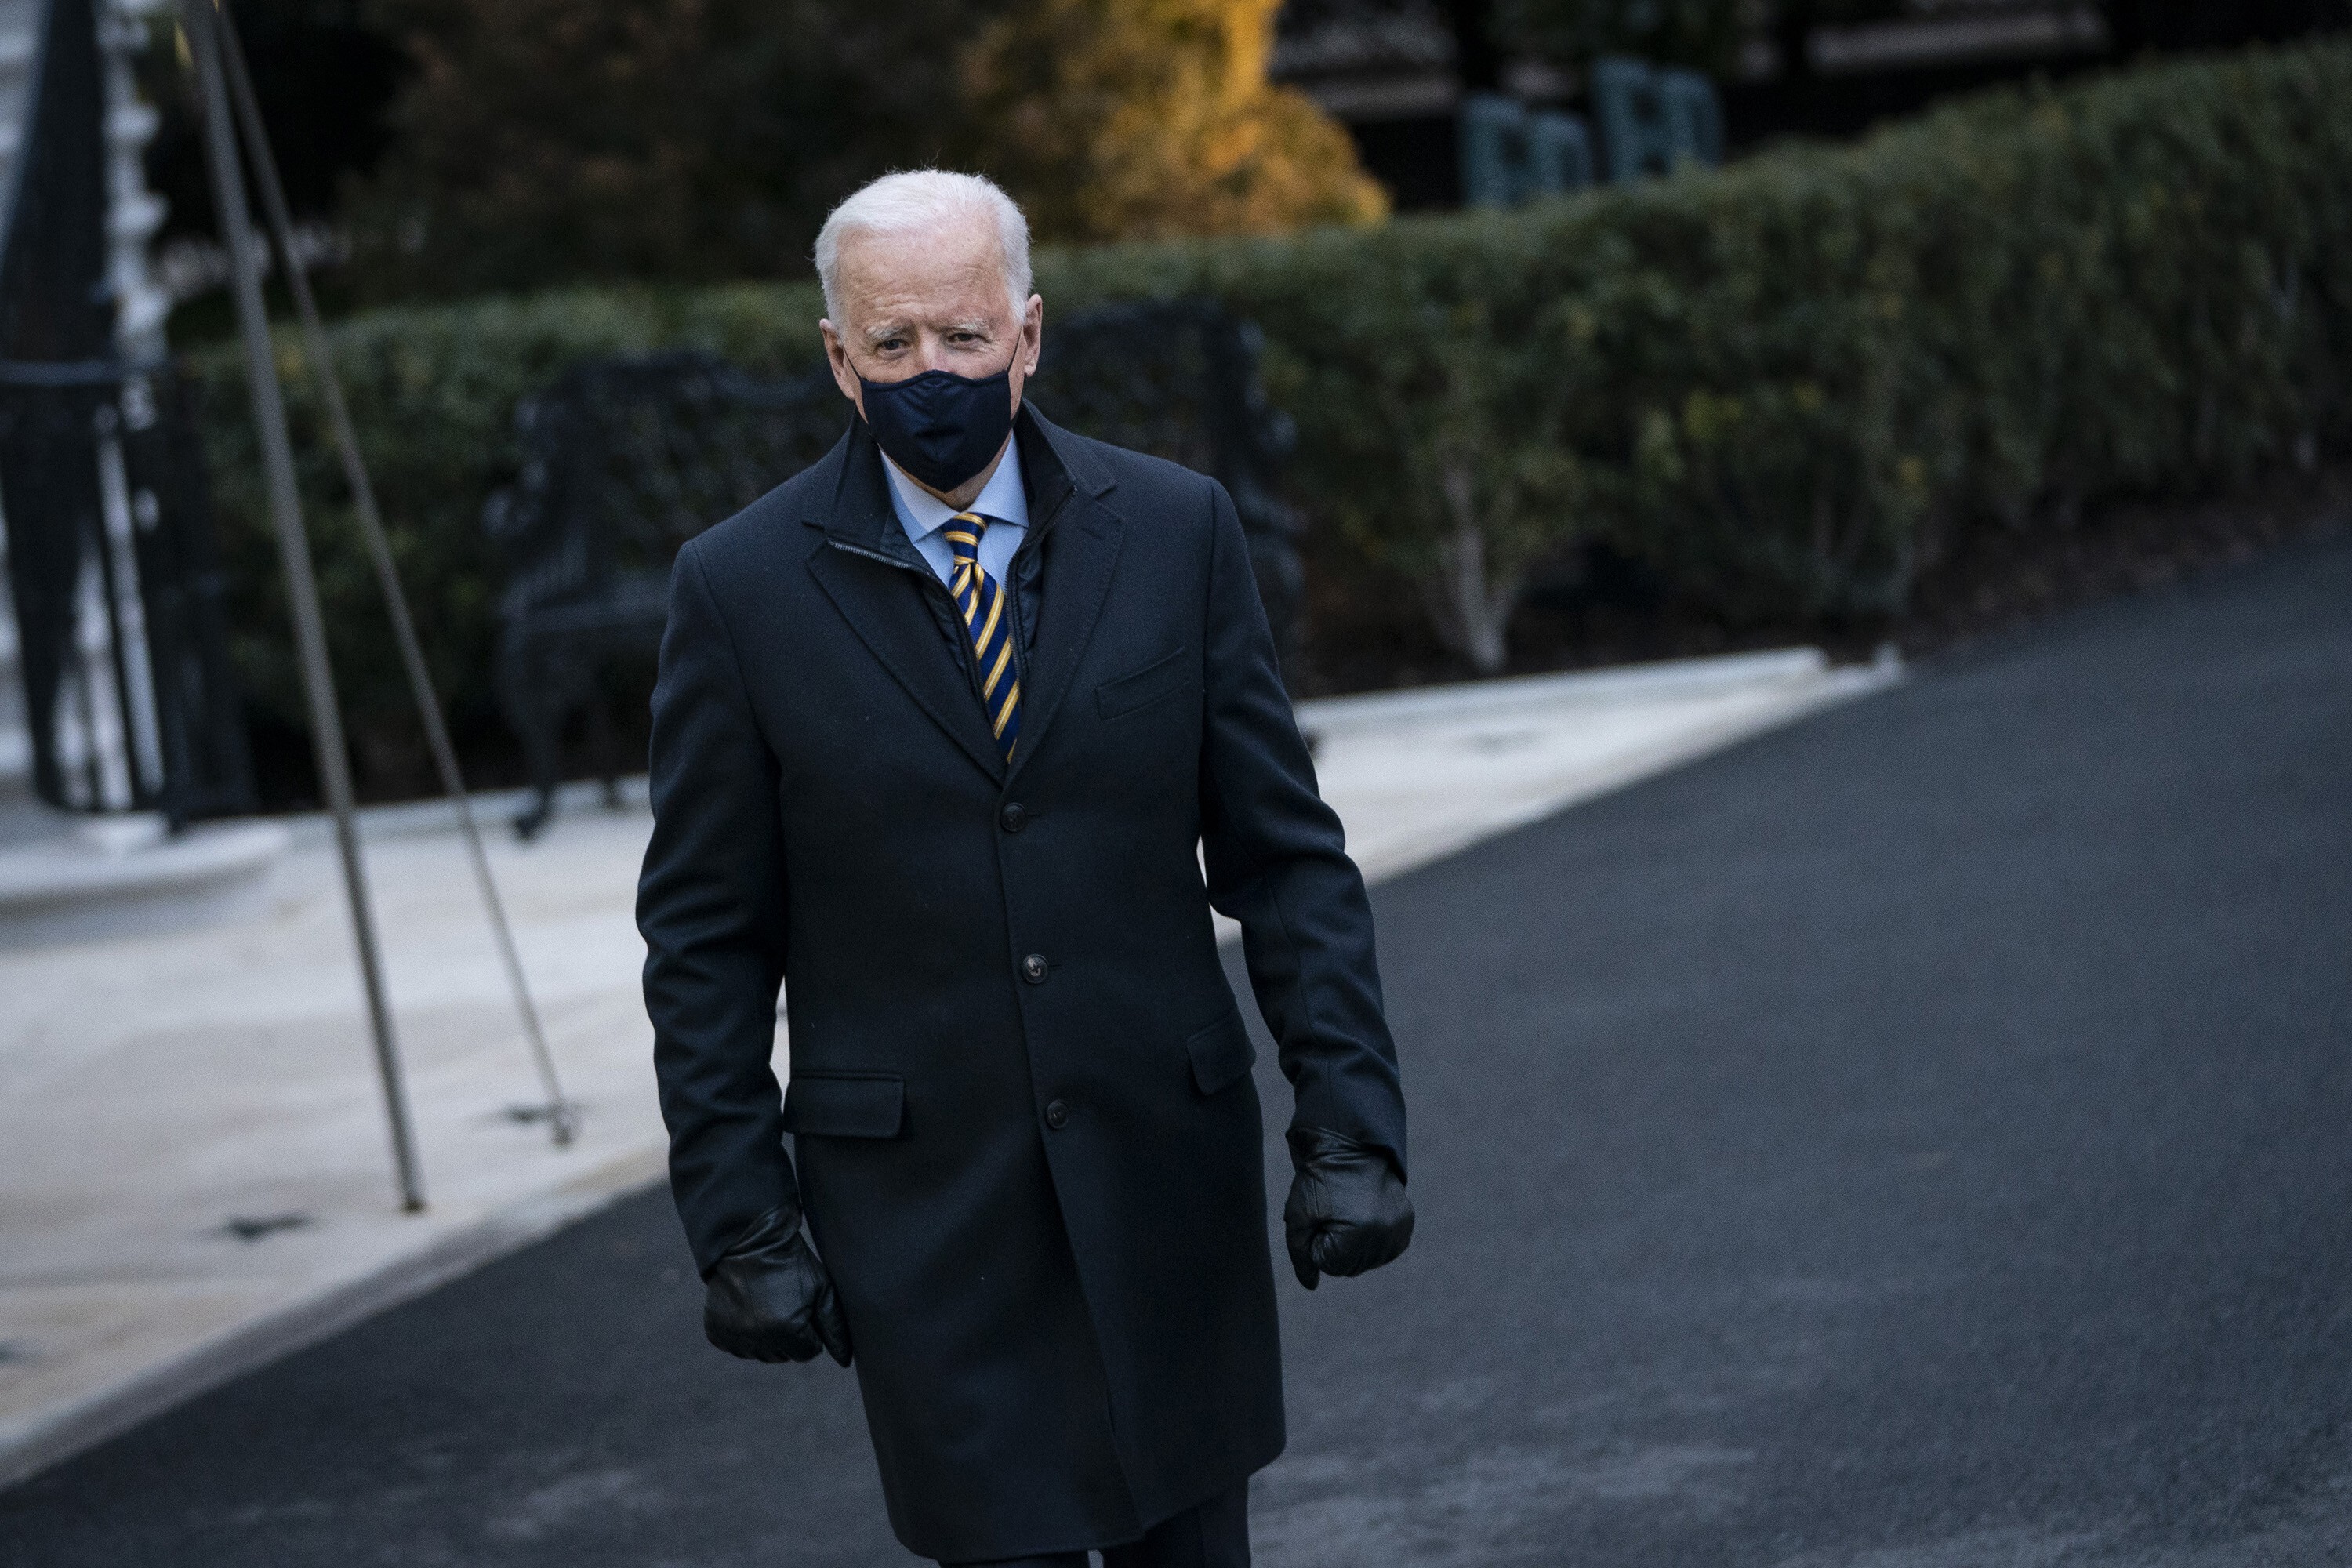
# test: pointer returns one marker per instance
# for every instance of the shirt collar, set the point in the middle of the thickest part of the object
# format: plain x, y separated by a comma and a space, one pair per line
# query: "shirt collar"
1003, 499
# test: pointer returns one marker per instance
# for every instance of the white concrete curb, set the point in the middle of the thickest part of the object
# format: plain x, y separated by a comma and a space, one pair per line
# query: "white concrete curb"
494, 811
61, 1432
1671, 678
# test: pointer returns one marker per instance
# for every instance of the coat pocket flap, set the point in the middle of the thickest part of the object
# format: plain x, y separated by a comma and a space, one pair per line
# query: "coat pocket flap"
846, 1105
1221, 1053
1150, 683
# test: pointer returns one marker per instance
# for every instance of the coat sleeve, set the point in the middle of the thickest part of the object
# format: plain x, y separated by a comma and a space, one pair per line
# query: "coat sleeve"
1276, 861
711, 905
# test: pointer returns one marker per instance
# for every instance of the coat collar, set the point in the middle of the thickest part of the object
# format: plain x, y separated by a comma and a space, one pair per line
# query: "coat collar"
1071, 526
853, 503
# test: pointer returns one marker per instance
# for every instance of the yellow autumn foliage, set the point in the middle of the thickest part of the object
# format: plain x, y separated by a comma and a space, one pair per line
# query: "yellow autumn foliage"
1154, 119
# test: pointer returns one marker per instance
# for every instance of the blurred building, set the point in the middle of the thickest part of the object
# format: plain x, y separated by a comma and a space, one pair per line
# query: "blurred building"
134, 213
112, 647
1395, 72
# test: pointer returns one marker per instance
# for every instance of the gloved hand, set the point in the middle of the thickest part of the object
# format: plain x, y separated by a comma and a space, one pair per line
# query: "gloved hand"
1347, 1212
769, 1298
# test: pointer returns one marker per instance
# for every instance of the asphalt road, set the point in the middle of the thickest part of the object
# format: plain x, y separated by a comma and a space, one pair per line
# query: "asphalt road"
1918, 1138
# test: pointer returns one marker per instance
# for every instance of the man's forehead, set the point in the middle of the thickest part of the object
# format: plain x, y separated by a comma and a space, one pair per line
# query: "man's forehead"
960, 274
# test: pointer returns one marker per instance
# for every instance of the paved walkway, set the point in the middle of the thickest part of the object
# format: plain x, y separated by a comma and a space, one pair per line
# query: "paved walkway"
196, 1171
1915, 1138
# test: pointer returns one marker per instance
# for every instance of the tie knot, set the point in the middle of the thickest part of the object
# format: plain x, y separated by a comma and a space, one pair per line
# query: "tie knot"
962, 532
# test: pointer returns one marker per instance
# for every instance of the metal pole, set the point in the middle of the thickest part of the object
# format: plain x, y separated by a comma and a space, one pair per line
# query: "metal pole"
317, 349
302, 583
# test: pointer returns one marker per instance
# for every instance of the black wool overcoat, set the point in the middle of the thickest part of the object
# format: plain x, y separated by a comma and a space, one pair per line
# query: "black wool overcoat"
1028, 1141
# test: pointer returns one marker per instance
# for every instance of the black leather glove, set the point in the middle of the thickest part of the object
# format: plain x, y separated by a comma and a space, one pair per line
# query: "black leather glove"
769, 1298
1347, 1211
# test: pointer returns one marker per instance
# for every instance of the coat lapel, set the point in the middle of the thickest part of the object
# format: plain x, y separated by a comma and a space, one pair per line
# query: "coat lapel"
872, 585
1081, 554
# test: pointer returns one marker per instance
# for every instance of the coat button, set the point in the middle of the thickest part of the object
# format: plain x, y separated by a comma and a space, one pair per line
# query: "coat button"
1033, 969
1057, 1115
1013, 819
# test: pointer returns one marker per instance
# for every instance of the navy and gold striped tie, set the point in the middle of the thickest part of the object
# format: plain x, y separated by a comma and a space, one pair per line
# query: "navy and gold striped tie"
982, 599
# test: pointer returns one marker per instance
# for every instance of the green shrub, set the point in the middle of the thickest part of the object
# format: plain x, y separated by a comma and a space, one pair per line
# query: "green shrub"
1791, 385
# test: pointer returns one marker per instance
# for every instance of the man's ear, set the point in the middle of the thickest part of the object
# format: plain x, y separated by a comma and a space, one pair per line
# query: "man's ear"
844, 375
1033, 333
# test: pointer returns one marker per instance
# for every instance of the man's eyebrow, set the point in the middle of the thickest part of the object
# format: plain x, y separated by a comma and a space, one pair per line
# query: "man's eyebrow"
980, 326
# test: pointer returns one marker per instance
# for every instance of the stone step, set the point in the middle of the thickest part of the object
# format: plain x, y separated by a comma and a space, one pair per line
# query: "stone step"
110, 877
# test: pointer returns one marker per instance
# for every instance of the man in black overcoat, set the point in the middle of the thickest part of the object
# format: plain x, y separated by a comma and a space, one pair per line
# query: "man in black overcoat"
960, 735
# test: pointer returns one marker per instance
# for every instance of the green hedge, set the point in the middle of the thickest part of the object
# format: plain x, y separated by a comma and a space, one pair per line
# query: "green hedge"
1791, 385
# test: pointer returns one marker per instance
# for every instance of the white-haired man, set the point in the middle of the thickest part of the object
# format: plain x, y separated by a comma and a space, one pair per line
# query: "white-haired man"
946, 729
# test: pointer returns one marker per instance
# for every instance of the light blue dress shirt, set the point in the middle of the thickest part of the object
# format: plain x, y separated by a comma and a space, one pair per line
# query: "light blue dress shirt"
1003, 500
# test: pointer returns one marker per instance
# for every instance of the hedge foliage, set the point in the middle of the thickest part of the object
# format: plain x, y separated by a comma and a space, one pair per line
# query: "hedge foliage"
1791, 385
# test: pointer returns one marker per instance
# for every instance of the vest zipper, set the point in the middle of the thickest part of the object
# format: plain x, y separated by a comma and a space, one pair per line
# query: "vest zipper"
931, 580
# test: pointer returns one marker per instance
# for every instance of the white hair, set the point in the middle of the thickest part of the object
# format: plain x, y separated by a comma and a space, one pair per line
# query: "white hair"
922, 202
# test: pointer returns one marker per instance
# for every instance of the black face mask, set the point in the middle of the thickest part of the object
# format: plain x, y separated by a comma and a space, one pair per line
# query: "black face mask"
940, 426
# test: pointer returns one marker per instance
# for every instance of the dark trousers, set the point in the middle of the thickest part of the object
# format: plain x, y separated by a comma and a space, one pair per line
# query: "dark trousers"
1215, 1534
